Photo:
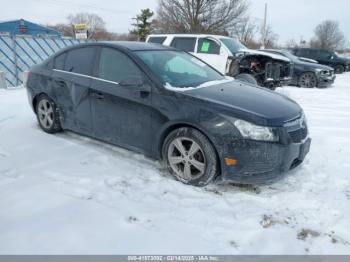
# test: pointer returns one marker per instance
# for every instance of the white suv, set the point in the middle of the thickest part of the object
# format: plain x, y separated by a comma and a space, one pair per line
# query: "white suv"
228, 56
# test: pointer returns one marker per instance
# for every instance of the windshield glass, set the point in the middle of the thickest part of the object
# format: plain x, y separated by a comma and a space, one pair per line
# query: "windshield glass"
292, 57
178, 69
232, 44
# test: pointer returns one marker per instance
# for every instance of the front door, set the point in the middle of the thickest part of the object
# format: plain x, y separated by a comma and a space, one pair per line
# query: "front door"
121, 101
212, 53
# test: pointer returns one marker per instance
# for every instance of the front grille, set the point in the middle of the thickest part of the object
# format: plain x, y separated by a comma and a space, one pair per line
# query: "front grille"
273, 71
298, 135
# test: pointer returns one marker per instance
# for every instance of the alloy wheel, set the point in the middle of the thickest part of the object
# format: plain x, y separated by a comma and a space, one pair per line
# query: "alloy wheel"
308, 80
186, 158
45, 113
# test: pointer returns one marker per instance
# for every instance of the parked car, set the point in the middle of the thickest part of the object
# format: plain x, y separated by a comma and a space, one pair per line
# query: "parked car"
228, 56
169, 105
324, 57
307, 74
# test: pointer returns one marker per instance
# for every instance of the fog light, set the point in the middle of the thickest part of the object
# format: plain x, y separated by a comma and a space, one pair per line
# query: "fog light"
230, 161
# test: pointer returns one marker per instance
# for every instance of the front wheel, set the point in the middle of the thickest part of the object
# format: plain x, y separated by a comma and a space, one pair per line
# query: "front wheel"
47, 114
339, 69
307, 80
190, 157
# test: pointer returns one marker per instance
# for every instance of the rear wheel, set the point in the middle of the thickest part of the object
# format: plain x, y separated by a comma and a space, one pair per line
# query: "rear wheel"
247, 78
47, 114
190, 156
339, 69
307, 80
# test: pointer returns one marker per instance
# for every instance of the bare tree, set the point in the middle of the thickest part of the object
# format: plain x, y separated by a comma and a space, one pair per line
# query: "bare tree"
328, 36
271, 37
200, 16
64, 29
291, 43
246, 32
94, 23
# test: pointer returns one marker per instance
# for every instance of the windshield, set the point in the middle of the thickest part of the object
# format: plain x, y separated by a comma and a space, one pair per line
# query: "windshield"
232, 44
178, 69
292, 57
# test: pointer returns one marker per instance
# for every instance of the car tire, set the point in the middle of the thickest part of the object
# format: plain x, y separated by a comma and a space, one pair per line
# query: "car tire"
190, 156
339, 69
247, 79
47, 114
307, 80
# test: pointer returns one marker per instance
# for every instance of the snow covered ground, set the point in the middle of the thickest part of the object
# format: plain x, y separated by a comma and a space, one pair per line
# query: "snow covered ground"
66, 194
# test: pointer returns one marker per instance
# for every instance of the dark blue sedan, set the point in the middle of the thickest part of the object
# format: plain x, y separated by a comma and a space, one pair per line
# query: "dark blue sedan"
172, 106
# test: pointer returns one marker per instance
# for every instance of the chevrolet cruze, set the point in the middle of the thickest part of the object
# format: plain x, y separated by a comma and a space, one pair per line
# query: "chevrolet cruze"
169, 105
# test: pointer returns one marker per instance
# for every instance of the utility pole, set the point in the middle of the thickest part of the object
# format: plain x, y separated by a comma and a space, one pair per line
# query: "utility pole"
264, 28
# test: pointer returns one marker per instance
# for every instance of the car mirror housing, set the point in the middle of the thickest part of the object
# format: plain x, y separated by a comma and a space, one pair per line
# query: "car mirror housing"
133, 81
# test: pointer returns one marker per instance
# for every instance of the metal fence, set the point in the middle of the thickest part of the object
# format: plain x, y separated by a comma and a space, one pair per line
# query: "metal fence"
19, 53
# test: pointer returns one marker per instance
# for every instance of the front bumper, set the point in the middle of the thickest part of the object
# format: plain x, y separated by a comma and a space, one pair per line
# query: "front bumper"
325, 81
262, 162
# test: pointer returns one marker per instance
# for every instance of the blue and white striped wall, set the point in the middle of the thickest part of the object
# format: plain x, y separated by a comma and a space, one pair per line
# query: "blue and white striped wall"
19, 53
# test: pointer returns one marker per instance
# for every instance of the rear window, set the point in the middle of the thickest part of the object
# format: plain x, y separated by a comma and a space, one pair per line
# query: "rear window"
80, 60
58, 62
186, 44
156, 40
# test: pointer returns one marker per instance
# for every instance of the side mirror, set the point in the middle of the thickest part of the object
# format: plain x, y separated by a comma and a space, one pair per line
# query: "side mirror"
133, 81
138, 84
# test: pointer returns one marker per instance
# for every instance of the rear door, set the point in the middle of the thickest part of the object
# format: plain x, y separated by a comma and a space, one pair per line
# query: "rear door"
72, 87
121, 101
186, 44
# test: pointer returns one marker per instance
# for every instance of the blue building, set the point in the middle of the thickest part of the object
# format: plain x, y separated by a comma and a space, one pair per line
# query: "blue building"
23, 27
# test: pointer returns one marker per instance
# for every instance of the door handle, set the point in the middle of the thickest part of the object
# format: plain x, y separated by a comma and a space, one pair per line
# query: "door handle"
60, 82
98, 95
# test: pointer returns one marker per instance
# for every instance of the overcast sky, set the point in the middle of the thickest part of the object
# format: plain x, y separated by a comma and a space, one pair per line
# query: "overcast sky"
289, 18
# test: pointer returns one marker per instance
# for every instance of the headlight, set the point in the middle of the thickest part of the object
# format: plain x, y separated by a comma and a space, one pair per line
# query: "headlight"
322, 71
251, 131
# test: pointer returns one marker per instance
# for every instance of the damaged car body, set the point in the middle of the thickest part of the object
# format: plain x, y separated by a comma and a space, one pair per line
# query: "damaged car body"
306, 73
232, 58
169, 105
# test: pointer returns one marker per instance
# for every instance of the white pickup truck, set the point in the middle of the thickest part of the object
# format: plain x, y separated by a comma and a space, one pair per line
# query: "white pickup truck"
228, 56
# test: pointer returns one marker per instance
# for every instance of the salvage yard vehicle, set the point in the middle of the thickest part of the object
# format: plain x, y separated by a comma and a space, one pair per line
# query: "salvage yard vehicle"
230, 57
307, 74
167, 104
324, 57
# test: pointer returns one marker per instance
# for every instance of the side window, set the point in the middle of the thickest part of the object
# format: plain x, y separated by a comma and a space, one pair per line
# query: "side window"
313, 54
156, 40
58, 62
186, 44
302, 53
207, 46
80, 60
322, 54
116, 66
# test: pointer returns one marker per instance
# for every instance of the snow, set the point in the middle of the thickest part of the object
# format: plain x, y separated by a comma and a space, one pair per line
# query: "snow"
67, 194
206, 84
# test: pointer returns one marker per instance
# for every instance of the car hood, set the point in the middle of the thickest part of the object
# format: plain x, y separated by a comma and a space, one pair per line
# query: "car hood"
343, 59
314, 66
255, 52
308, 60
251, 103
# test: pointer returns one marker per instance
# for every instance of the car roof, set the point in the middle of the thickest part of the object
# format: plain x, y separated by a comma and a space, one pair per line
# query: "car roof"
189, 35
130, 45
